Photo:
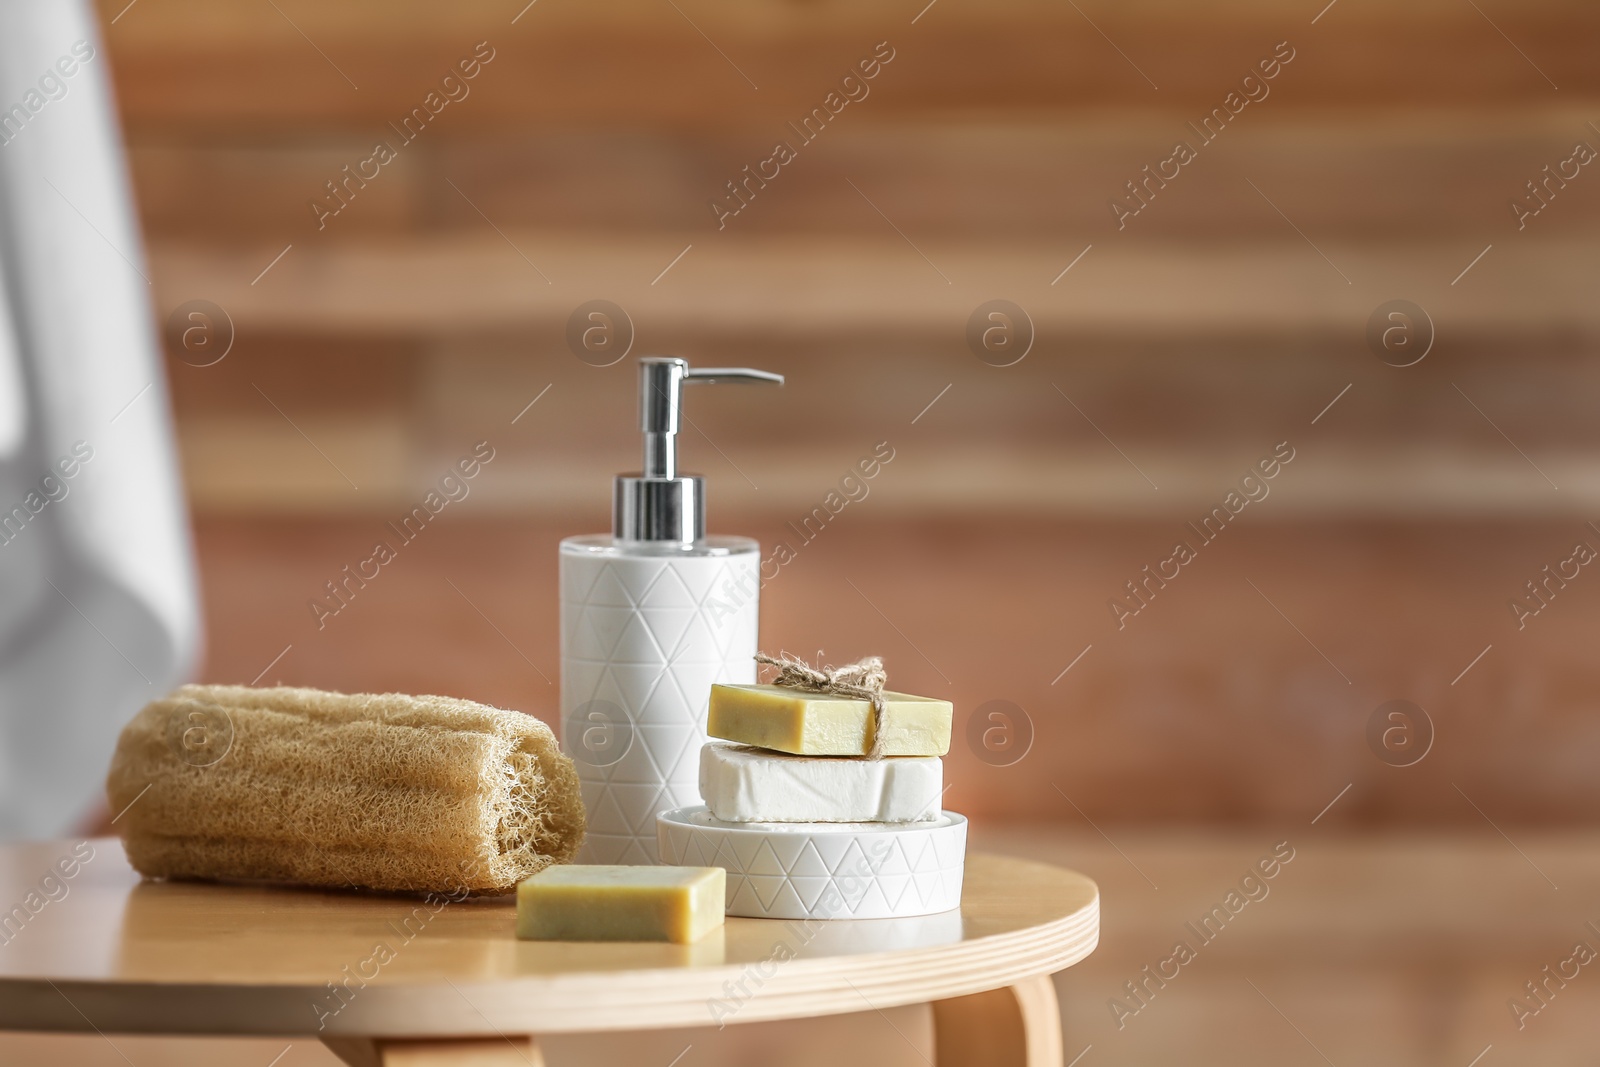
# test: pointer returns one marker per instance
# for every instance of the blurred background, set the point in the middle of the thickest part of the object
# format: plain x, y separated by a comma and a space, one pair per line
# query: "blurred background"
1144, 364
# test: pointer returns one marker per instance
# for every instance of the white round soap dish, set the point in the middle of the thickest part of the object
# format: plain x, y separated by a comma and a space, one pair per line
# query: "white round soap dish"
821, 870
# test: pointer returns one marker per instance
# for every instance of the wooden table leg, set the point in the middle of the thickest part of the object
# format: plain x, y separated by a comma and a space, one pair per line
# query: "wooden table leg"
462, 1052
1015, 1026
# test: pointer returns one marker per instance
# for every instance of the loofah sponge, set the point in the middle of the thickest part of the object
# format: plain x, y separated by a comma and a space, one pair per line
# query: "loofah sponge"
426, 794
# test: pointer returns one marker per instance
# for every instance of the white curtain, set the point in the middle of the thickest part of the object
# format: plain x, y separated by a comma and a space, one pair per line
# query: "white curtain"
97, 597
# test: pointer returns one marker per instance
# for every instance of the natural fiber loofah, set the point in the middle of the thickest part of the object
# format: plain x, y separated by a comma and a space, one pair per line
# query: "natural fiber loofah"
427, 794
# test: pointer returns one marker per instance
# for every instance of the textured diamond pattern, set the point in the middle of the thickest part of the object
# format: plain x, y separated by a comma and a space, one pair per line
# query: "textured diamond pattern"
651, 635
824, 870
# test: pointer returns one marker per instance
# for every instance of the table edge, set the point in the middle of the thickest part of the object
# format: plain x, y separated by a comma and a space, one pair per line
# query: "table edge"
574, 1002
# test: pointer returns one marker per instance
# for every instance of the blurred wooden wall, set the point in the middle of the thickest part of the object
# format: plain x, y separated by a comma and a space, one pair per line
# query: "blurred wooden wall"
1176, 352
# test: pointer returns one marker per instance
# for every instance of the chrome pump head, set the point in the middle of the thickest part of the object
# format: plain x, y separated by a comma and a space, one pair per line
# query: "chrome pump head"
660, 504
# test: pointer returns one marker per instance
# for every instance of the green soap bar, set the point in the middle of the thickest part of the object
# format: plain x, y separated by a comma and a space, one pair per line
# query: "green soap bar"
596, 903
817, 724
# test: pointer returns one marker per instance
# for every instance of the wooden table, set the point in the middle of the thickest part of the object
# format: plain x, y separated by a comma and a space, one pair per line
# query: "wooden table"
85, 946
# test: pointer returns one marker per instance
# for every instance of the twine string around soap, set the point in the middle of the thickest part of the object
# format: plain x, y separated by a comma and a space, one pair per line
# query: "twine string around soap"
863, 680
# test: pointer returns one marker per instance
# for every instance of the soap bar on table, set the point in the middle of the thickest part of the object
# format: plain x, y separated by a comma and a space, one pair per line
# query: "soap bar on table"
741, 784
600, 903
819, 724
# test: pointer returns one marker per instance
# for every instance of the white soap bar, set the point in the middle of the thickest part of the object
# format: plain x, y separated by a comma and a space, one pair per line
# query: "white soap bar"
741, 784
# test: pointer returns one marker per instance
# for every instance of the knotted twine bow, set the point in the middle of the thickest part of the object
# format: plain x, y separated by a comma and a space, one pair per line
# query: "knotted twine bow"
864, 681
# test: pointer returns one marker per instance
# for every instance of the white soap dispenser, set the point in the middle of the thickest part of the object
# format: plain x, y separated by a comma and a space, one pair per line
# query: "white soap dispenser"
652, 615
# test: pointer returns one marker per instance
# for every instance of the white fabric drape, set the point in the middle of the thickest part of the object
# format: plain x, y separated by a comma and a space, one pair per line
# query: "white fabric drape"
97, 598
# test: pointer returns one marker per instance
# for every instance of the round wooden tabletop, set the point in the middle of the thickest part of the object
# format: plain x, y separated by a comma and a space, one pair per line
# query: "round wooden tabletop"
100, 949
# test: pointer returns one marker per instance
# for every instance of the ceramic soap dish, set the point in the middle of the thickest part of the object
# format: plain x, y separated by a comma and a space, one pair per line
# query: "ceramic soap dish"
823, 870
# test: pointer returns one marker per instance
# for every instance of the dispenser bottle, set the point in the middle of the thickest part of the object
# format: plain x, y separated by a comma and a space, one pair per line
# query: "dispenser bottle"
652, 615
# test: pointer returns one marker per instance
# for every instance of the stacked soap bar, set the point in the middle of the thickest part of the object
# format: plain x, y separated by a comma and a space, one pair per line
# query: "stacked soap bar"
799, 757
743, 784
818, 724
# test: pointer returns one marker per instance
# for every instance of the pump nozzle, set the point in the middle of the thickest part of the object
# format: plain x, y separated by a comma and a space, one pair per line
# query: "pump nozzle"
658, 504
